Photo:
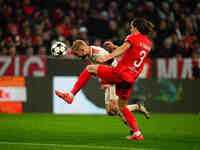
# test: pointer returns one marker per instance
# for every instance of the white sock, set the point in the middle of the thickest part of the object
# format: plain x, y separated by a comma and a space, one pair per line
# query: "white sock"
132, 107
137, 133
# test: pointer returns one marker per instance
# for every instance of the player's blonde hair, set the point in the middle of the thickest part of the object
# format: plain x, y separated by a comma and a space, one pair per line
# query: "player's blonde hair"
78, 44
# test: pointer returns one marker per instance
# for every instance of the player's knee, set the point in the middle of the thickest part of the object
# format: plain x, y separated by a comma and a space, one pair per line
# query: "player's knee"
89, 68
114, 105
92, 68
110, 112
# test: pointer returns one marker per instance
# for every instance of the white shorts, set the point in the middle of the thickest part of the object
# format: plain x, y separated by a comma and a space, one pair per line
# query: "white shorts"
110, 94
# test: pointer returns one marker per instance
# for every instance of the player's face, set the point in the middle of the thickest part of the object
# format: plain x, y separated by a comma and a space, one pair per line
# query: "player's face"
131, 28
82, 52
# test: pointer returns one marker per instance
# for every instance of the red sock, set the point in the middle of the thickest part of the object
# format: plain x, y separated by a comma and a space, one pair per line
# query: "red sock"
130, 119
82, 80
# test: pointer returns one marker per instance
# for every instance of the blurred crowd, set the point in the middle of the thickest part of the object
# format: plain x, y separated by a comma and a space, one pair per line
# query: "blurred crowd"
28, 27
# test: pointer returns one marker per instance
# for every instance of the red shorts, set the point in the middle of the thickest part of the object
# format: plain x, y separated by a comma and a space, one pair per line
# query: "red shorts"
109, 76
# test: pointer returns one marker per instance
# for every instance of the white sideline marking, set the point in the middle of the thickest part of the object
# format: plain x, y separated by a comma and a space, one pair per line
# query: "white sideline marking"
75, 146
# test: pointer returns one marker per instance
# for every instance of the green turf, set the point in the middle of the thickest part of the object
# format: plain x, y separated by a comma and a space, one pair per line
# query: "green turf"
90, 132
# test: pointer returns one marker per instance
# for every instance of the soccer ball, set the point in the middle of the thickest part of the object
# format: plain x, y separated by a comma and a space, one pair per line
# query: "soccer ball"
58, 49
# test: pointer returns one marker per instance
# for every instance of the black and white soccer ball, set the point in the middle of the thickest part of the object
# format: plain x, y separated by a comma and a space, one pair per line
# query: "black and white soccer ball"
58, 49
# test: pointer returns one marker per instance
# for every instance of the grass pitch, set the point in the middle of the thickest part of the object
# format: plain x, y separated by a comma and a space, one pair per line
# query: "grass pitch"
97, 132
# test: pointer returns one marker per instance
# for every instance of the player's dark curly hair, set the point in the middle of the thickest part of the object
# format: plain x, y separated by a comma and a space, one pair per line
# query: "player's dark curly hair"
144, 26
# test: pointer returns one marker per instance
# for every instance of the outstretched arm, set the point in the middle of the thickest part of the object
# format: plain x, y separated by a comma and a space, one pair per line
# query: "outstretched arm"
117, 52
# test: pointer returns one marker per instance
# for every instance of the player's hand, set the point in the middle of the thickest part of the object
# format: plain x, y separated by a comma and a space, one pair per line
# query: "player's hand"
109, 45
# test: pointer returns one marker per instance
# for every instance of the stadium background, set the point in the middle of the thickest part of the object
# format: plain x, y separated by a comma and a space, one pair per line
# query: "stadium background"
169, 83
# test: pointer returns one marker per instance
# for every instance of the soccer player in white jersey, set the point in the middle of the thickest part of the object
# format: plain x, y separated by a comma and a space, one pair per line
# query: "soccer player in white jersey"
91, 53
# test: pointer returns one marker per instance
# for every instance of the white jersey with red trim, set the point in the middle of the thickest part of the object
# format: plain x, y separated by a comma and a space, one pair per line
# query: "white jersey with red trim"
99, 52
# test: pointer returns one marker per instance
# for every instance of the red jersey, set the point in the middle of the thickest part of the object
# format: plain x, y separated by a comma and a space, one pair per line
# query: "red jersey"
131, 64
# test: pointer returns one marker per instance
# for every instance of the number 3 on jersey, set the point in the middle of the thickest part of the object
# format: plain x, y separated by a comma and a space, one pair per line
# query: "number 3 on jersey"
137, 63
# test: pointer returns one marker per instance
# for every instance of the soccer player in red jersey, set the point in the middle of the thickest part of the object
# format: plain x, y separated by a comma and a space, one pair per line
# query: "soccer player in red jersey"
135, 49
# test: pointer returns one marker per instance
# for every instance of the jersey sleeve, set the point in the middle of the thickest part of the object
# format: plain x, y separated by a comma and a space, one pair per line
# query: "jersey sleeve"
130, 39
